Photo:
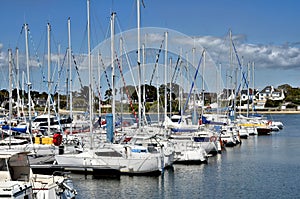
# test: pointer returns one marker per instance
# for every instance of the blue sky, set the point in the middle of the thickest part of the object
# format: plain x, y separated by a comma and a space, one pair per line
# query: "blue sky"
266, 31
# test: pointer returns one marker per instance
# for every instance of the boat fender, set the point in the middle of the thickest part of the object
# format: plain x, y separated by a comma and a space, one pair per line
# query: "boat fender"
57, 139
200, 122
213, 138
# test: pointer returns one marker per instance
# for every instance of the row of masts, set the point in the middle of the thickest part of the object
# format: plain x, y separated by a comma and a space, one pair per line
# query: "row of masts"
139, 47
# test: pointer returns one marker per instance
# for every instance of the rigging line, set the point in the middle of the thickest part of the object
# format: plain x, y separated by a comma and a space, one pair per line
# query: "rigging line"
219, 52
176, 70
57, 67
118, 24
127, 59
97, 86
130, 69
126, 89
240, 65
56, 44
56, 113
77, 70
132, 14
83, 42
105, 72
107, 34
156, 61
20, 35
196, 88
60, 71
101, 28
192, 86
15, 73
93, 30
37, 57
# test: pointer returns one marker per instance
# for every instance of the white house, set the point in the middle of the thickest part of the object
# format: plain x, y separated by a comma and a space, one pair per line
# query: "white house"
269, 92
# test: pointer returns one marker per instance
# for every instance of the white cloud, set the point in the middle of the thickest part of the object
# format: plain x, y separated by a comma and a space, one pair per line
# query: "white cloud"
285, 56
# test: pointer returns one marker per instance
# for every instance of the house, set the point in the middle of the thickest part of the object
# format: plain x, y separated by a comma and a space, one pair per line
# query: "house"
269, 92
252, 94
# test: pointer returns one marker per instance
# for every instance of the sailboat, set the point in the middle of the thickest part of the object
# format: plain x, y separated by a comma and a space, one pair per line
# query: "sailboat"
128, 159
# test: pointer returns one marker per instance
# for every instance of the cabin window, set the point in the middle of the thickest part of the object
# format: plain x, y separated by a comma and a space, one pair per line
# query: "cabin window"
138, 150
174, 120
108, 153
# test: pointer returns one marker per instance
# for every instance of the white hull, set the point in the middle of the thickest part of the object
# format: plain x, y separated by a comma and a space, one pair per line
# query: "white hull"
187, 150
190, 155
128, 161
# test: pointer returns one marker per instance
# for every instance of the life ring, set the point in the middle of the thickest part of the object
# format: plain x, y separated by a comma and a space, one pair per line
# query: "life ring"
213, 138
57, 139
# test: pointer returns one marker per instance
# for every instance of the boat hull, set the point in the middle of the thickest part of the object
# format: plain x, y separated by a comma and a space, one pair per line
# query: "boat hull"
135, 164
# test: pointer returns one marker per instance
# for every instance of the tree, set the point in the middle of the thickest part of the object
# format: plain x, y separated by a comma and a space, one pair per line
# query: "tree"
84, 93
273, 103
108, 95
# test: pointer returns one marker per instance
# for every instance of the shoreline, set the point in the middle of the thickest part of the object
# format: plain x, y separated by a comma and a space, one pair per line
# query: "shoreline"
277, 112
243, 112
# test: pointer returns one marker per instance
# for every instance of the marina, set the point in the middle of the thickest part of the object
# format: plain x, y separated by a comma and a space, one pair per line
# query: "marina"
145, 112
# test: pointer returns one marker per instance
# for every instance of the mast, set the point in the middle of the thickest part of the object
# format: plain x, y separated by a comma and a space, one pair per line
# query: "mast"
219, 89
144, 87
248, 91
182, 85
241, 86
122, 93
203, 94
157, 92
253, 89
90, 74
28, 80
10, 94
233, 92
99, 82
23, 90
170, 85
166, 66
58, 77
139, 61
70, 72
49, 77
112, 48
194, 119
18, 79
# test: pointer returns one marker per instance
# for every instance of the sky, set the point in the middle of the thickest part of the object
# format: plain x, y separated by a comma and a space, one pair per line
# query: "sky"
266, 32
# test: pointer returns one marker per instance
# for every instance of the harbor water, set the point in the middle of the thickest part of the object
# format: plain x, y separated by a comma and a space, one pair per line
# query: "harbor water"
261, 167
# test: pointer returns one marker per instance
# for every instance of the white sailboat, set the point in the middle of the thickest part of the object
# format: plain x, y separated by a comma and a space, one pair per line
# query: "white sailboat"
129, 159
187, 151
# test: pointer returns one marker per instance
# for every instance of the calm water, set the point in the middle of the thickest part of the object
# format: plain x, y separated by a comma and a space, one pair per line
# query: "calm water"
262, 167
